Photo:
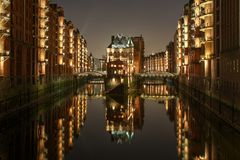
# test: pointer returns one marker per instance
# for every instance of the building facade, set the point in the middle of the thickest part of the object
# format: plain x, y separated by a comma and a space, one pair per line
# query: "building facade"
51, 54
156, 62
77, 50
17, 43
96, 64
171, 57
103, 64
207, 45
138, 53
84, 55
120, 51
228, 51
37, 44
90, 63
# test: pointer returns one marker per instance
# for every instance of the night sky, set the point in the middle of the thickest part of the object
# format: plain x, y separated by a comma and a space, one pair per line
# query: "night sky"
97, 20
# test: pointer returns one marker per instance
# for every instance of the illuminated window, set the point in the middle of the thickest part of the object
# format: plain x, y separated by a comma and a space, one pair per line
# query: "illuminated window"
237, 65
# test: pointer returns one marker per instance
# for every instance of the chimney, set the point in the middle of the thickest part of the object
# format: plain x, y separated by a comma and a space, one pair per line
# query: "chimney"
112, 38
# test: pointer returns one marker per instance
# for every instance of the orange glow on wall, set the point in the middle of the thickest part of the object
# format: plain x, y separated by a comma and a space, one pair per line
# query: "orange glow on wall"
1, 66
60, 59
197, 43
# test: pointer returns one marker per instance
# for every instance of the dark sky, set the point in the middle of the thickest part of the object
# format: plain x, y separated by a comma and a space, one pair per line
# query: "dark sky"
97, 20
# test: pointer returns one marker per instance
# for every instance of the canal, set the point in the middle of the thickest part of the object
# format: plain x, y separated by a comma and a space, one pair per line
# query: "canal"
85, 124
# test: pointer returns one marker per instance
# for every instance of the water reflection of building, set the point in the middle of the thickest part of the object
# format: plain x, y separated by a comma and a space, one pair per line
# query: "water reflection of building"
94, 90
62, 124
182, 120
200, 136
138, 113
123, 115
158, 91
170, 106
155, 90
48, 133
41, 136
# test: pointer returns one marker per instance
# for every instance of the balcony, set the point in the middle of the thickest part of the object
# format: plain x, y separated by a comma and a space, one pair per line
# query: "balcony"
43, 48
43, 38
42, 61
43, 28
5, 16
205, 2
204, 27
209, 39
206, 57
4, 32
202, 40
193, 5
45, 19
4, 53
205, 14
43, 8
202, 58
6, 2
193, 15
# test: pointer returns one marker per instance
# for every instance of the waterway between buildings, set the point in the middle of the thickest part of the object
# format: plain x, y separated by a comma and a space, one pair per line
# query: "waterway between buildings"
86, 124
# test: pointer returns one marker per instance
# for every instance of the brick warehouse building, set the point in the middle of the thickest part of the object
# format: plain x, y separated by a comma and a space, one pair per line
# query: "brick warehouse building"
34, 50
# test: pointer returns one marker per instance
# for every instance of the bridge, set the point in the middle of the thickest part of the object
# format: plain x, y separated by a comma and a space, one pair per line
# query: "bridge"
158, 97
100, 74
150, 74
157, 74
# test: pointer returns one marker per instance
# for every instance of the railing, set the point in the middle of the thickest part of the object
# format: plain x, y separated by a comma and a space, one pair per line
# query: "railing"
5, 32
193, 5
17, 98
206, 13
203, 2
4, 53
205, 26
209, 39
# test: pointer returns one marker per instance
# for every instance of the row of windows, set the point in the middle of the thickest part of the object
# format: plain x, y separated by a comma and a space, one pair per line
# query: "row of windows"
121, 72
233, 86
112, 65
232, 66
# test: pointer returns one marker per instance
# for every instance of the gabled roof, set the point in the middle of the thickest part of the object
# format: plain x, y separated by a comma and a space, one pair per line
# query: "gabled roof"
121, 41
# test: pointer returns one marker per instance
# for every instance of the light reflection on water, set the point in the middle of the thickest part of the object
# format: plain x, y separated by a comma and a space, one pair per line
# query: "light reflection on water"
89, 125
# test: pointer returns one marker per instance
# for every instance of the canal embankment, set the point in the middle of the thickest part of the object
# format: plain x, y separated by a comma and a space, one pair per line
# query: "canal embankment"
226, 111
21, 97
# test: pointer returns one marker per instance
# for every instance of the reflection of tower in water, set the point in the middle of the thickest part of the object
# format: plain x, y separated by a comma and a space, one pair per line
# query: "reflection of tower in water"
60, 139
94, 90
138, 113
83, 109
123, 115
70, 127
77, 120
182, 119
120, 119
158, 90
42, 138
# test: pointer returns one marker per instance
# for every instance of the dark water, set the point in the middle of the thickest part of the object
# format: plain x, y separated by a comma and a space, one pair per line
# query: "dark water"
85, 124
